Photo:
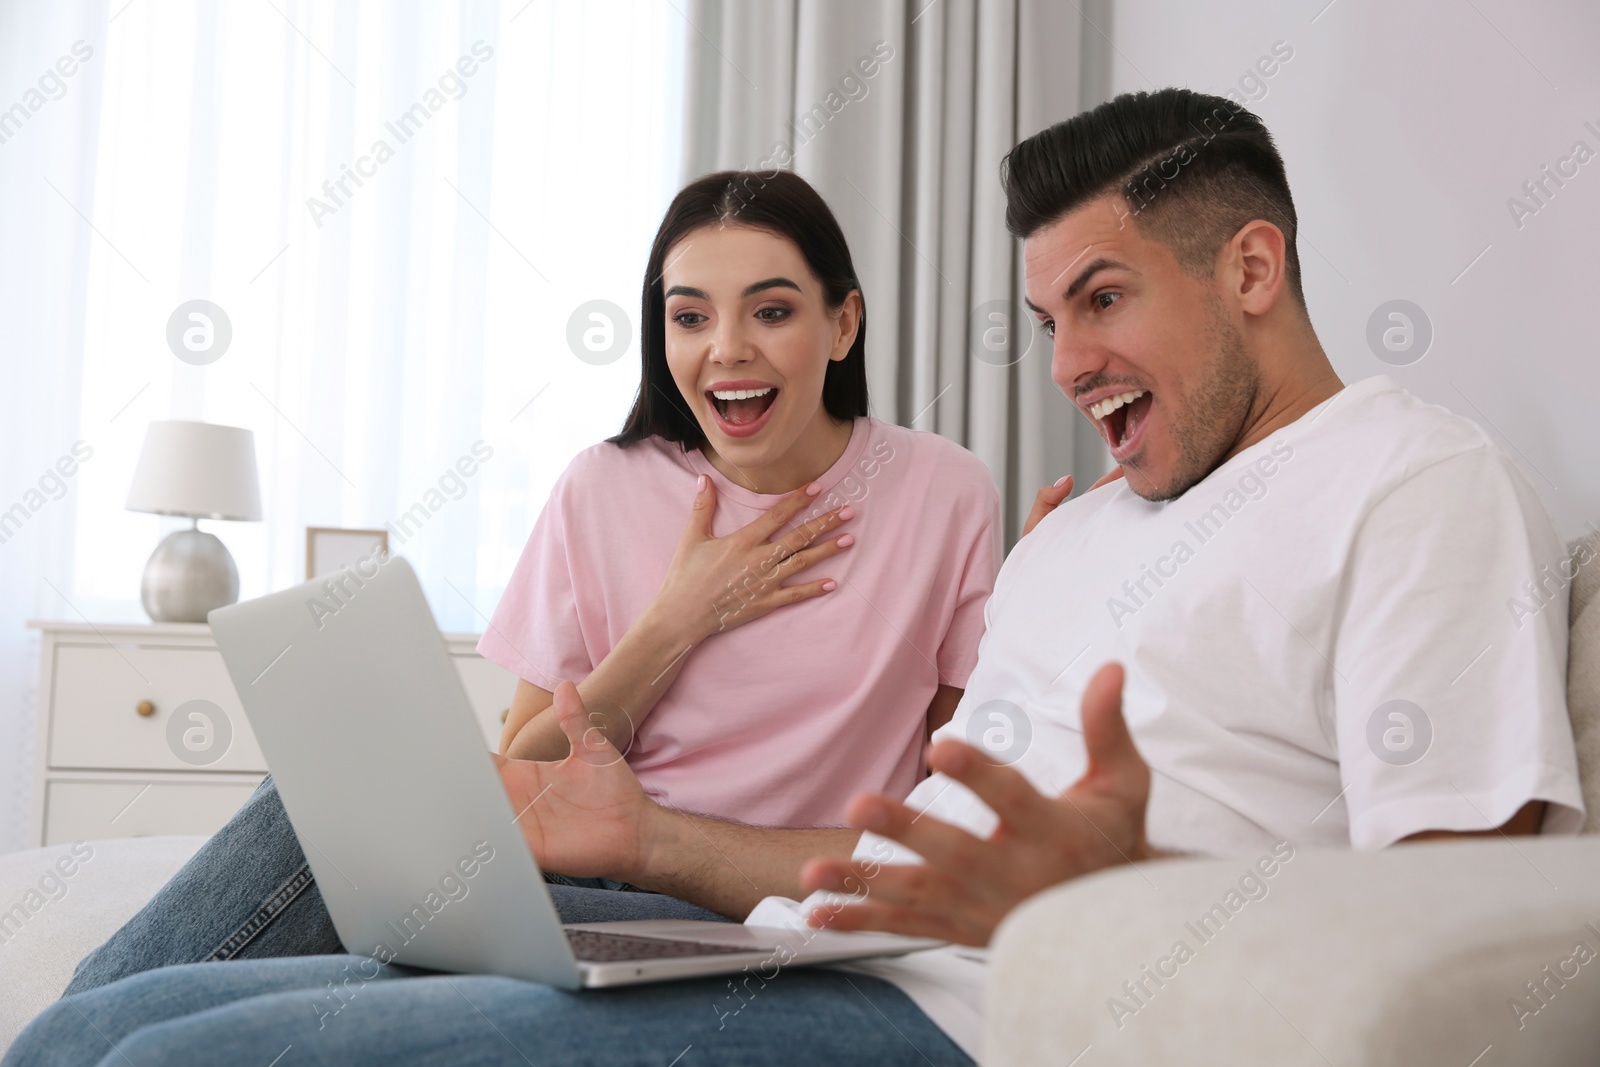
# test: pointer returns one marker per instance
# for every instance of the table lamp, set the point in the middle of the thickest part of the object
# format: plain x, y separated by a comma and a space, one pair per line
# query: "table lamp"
201, 471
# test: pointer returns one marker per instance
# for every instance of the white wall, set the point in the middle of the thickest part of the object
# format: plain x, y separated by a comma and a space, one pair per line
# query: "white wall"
1406, 126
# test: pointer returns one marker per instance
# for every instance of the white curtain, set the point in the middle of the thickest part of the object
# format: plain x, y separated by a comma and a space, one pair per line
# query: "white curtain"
899, 111
382, 323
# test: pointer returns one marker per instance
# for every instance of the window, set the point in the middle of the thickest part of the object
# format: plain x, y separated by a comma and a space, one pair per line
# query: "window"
399, 208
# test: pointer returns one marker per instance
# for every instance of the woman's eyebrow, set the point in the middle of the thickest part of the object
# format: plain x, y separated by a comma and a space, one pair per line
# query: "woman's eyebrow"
770, 283
751, 290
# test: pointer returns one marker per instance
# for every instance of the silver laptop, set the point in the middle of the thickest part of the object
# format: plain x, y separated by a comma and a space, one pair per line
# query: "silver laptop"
385, 775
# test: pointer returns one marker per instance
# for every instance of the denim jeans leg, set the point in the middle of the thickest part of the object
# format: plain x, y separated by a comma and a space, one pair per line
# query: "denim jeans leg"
351, 1011
604, 903
248, 893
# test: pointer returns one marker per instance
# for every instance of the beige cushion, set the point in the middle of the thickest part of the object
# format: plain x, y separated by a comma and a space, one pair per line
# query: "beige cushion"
63, 918
1583, 672
1406, 957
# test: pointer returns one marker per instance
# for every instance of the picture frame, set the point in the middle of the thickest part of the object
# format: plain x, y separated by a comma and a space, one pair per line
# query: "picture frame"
331, 548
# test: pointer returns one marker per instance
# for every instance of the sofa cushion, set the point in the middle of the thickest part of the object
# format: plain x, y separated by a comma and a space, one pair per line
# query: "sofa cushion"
58, 902
1583, 671
1424, 955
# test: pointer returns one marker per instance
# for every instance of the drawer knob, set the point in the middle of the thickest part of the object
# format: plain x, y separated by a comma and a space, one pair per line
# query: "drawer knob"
503, 714
146, 708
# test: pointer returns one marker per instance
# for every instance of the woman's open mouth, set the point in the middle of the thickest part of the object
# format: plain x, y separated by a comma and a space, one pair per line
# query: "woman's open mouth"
742, 411
1122, 420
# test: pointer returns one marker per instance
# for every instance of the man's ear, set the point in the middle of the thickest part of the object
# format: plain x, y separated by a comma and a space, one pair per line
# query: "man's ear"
1257, 263
848, 318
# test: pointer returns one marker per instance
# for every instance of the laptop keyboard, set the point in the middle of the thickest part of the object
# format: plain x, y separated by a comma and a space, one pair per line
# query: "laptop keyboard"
592, 946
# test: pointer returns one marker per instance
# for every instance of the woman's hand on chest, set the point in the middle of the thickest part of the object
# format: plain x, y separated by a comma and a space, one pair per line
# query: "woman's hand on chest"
720, 583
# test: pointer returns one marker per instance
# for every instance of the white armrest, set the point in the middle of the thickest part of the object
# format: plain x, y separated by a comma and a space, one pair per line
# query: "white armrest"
1412, 956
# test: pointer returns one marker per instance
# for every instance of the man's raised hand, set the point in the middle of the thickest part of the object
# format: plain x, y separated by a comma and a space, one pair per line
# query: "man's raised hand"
965, 884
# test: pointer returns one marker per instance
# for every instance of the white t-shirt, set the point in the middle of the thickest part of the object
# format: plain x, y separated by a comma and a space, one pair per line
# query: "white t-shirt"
1378, 550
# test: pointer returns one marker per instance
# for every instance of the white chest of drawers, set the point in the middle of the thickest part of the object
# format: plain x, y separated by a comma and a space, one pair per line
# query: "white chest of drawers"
119, 754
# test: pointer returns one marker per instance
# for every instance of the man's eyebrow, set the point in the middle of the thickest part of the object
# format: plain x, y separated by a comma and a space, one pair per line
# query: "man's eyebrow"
750, 290
1095, 267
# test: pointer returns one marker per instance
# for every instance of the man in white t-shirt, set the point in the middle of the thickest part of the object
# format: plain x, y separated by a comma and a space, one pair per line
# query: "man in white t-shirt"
1309, 615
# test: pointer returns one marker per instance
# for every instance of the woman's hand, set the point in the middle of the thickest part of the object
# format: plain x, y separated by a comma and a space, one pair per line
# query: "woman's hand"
714, 583
1050, 497
718, 583
1047, 500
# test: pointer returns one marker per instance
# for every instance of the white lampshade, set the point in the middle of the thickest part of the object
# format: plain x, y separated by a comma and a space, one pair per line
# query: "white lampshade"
197, 469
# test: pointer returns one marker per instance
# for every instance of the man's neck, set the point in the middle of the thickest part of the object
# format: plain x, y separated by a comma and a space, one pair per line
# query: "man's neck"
1285, 398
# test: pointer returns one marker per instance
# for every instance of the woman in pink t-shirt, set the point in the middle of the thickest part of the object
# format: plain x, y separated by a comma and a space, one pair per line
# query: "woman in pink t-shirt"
767, 598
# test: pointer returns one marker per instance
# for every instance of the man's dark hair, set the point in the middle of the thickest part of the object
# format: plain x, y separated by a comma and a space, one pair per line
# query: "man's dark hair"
1192, 168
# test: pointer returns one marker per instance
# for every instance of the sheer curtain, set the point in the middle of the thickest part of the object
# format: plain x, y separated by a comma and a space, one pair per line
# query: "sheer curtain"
405, 213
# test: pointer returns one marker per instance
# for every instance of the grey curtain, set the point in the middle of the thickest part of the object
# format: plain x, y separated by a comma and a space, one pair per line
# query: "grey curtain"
899, 112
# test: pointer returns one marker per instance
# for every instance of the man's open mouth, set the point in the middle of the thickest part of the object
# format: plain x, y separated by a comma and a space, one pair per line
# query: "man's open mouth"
1121, 417
742, 409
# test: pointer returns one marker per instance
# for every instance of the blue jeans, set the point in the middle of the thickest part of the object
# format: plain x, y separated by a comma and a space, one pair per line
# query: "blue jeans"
151, 994
353, 1012
249, 894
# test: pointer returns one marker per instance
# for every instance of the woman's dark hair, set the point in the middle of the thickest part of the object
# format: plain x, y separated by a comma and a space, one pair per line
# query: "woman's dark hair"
1191, 168
782, 203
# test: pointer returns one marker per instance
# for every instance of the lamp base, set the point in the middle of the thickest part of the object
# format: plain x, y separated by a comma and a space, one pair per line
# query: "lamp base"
188, 574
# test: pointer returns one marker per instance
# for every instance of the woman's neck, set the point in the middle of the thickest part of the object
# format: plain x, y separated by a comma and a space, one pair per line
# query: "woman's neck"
817, 450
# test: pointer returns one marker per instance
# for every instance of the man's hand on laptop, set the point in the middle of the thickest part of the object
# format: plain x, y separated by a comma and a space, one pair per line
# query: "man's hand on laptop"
581, 815
586, 816
966, 884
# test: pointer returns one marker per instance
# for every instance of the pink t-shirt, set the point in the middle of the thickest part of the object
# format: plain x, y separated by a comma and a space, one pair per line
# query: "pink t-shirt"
780, 721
